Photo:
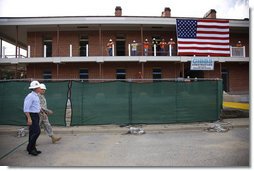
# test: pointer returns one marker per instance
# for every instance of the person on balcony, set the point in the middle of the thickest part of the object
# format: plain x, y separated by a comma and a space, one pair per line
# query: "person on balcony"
239, 44
146, 47
134, 47
162, 47
171, 44
110, 47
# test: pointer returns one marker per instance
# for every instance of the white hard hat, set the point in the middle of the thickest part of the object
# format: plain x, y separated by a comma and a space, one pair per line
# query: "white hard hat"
42, 86
134, 41
34, 84
110, 40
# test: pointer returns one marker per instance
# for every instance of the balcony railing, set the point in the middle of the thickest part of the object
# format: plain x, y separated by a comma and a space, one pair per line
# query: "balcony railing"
237, 51
234, 52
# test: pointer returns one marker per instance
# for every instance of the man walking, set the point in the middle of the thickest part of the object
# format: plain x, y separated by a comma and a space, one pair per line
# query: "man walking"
44, 121
31, 110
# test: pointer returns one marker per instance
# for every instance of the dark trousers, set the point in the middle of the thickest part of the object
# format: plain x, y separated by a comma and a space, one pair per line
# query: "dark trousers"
34, 131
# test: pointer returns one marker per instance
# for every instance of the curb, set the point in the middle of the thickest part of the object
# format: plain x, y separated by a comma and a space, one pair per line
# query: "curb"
235, 123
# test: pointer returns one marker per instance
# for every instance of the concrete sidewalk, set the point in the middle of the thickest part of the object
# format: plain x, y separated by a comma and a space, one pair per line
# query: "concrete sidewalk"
235, 122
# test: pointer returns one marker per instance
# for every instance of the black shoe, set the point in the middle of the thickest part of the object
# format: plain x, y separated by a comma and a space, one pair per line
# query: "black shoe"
38, 152
33, 153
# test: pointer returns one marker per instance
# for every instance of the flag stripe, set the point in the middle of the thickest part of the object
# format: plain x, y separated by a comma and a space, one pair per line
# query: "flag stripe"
221, 40
212, 35
205, 36
203, 45
203, 48
203, 54
211, 20
226, 30
212, 32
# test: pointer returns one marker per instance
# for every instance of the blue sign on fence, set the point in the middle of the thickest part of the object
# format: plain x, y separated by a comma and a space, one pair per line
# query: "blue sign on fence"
202, 63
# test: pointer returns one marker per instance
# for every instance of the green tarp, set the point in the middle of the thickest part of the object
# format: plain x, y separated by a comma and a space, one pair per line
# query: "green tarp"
147, 103
12, 95
118, 102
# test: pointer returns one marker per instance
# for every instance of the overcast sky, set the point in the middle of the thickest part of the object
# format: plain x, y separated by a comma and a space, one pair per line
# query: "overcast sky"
232, 9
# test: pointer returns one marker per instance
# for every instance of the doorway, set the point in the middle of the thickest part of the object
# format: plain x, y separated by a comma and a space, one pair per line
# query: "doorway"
225, 79
120, 46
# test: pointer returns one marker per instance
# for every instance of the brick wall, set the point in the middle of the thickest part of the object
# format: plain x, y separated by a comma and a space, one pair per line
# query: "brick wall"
35, 40
238, 76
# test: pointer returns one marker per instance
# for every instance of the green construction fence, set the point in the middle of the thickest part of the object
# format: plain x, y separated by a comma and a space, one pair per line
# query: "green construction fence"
118, 102
145, 103
13, 93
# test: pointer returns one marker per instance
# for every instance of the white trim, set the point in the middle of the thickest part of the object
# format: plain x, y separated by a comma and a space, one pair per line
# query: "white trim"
100, 59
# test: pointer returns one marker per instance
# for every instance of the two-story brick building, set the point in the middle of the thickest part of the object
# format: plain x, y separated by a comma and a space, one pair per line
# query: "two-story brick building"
75, 48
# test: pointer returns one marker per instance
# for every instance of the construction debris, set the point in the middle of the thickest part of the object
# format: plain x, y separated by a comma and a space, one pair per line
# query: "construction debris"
22, 132
219, 126
135, 131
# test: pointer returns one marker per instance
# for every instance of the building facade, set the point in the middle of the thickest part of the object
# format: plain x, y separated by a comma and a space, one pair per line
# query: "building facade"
76, 48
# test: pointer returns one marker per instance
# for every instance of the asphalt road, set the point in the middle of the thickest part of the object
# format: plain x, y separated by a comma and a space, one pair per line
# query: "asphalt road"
163, 148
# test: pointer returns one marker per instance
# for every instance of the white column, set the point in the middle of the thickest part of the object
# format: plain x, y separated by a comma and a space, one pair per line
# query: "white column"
45, 50
18, 55
70, 50
129, 49
87, 50
113, 50
28, 51
170, 50
154, 50
231, 53
3, 52
244, 51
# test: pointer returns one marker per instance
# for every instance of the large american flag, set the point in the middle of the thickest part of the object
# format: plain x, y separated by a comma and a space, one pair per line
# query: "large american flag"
203, 37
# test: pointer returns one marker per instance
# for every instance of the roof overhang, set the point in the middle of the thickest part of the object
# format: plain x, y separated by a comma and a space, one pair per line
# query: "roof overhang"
11, 26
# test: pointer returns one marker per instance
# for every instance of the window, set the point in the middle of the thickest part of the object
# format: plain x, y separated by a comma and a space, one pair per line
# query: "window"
47, 74
156, 74
83, 74
120, 74
82, 45
48, 43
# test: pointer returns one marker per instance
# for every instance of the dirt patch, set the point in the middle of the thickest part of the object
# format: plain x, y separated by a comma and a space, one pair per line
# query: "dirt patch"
234, 113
